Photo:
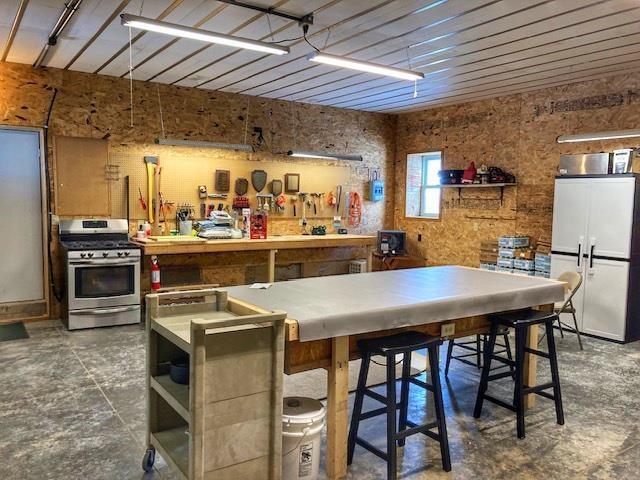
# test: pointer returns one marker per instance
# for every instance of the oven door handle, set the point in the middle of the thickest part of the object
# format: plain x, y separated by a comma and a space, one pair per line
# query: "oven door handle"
107, 311
106, 263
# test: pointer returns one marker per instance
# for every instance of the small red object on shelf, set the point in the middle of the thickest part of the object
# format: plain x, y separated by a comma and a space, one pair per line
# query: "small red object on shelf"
258, 230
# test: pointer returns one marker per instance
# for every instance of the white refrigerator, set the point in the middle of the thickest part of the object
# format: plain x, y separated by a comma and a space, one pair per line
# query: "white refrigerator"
594, 233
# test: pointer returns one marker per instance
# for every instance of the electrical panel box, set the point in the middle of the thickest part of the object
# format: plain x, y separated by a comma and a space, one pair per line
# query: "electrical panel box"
376, 190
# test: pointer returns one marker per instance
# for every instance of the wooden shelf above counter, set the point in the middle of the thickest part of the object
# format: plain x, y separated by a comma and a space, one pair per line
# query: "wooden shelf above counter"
283, 242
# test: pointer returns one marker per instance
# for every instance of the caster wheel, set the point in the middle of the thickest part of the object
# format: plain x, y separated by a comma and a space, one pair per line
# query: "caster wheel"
149, 459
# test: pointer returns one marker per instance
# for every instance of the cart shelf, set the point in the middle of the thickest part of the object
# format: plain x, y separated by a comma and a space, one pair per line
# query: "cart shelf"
175, 394
173, 445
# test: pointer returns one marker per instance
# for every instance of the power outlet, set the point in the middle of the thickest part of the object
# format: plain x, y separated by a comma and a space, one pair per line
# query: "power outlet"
447, 329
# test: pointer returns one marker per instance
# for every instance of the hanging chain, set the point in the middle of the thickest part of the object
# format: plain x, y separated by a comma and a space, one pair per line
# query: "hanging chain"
130, 78
246, 121
160, 108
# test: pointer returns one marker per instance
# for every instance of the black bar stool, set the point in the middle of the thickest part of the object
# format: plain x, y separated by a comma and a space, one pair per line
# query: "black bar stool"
402, 343
521, 321
476, 347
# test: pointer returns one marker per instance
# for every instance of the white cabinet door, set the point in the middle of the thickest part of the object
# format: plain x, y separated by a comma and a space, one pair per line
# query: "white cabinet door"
611, 216
566, 263
570, 213
605, 299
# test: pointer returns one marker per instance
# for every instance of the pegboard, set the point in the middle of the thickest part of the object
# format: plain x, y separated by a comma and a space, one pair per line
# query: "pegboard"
185, 168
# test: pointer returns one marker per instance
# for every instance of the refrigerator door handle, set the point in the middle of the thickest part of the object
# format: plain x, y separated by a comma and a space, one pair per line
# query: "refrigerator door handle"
592, 246
580, 242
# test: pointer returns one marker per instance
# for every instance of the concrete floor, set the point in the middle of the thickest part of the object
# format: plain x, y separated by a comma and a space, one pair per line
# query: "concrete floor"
72, 406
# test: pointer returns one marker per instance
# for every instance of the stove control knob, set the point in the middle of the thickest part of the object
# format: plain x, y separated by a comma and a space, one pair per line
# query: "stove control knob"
126, 254
119, 254
82, 255
90, 254
105, 254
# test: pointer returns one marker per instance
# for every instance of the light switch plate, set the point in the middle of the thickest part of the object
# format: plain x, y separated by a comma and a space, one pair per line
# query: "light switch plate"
447, 329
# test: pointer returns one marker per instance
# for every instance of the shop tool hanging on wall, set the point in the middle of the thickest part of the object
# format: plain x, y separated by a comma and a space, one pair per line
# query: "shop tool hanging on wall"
151, 163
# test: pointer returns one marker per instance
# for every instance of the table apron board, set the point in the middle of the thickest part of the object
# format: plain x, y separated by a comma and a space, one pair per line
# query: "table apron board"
292, 242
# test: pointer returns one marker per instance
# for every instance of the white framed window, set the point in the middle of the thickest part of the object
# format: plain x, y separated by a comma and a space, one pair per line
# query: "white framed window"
423, 185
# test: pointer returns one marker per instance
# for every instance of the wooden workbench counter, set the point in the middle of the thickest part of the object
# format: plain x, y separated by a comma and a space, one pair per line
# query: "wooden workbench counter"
244, 261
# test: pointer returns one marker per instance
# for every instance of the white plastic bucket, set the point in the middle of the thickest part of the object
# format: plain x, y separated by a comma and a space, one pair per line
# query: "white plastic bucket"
302, 424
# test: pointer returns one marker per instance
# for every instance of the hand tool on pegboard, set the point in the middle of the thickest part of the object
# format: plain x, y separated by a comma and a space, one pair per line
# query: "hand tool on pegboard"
143, 204
157, 202
151, 163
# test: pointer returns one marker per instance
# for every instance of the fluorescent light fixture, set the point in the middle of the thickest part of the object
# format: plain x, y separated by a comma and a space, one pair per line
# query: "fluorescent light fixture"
345, 62
328, 156
176, 30
590, 137
242, 147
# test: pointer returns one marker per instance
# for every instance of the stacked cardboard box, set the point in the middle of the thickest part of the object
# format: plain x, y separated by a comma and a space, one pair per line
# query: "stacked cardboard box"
515, 255
488, 254
543, 258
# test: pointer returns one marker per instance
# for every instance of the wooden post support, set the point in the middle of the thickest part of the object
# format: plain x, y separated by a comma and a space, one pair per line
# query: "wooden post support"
337, 408
272, 266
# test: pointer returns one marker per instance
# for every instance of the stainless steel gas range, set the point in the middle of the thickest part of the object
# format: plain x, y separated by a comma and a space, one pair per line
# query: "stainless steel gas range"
102, 272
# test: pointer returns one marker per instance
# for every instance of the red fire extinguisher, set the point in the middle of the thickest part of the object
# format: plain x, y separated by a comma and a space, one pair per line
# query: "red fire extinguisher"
155, 273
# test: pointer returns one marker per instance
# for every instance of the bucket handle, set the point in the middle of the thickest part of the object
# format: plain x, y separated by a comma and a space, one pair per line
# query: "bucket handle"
304, 434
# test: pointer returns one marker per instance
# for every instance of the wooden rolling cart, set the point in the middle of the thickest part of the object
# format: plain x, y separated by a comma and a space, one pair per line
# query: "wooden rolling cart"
226, 423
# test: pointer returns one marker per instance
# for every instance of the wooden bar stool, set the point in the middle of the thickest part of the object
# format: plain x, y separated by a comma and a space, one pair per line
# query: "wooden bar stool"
520, 321
476, 347
402, 343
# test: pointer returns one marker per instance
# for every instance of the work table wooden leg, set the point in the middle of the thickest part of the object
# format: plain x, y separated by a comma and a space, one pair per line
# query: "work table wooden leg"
369, 259
272, 266
338, 408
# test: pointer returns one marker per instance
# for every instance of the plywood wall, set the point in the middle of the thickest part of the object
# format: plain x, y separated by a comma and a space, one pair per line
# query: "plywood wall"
93, 106
516, 133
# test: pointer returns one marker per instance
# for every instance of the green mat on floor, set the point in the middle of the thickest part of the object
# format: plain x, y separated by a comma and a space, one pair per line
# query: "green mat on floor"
13, 331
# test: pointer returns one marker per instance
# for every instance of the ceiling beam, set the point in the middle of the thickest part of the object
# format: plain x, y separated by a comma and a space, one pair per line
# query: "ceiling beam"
102, 28
201, 49
14, 28
175, 4
198, 24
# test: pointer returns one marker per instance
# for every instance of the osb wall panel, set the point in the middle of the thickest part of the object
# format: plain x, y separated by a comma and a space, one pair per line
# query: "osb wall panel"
95, 106
517, 133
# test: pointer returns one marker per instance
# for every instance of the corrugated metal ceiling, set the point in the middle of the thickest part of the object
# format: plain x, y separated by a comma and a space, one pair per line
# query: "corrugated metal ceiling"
468, 49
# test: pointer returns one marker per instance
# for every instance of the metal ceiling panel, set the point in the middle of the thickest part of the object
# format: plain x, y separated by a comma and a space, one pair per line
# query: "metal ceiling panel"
468, 49
443, 48
215, 58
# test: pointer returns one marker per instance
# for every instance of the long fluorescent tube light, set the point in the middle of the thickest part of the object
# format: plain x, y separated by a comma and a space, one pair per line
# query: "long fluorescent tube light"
176, 30
345, 62
590, 137
242, 147
328, 156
